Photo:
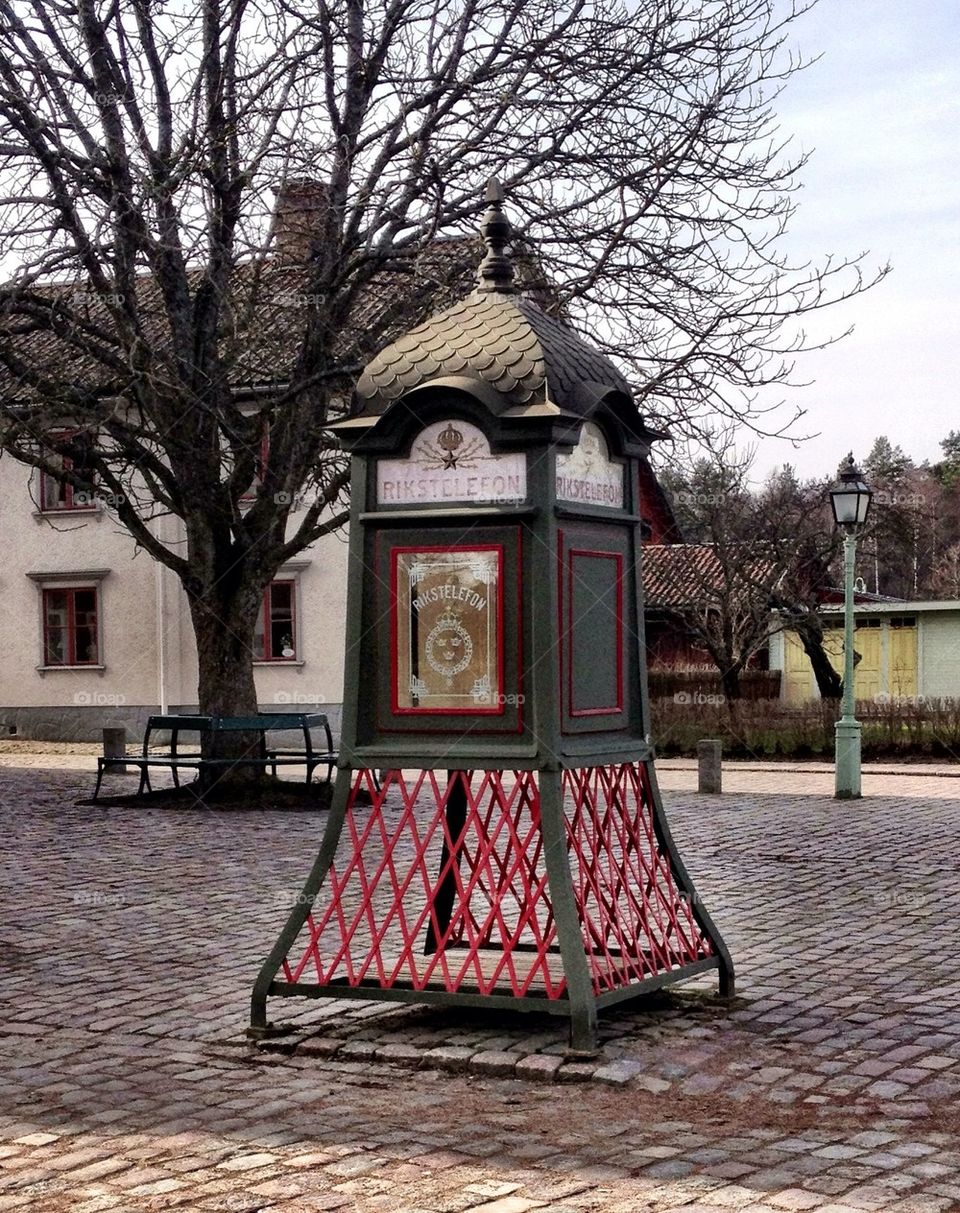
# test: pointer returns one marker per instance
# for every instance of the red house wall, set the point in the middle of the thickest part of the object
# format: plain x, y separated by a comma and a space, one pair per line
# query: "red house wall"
655, 508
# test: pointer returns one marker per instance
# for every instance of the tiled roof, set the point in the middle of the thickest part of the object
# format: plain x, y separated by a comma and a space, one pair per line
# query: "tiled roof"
505, 340
677, 575
261, 341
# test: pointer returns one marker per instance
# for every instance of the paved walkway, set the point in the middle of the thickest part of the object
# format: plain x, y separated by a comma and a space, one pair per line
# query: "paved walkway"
129, 940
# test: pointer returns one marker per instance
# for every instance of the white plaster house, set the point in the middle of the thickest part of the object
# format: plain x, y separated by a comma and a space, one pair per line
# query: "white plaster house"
96, 634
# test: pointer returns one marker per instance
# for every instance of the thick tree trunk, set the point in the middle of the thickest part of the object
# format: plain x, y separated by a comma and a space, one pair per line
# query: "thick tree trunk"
730, 679
829, 682
224, 634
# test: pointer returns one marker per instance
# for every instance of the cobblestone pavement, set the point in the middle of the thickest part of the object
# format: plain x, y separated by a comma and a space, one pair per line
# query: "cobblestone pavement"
129, 939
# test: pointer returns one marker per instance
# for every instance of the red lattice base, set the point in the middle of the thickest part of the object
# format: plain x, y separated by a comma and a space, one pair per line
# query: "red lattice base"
636, 921
383, 919
444, 888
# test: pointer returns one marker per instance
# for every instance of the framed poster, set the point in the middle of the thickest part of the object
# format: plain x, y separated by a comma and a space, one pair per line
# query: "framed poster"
447, 630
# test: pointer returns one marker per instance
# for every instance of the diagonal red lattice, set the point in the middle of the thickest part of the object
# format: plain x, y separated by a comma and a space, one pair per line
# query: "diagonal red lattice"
636, 922
421, 897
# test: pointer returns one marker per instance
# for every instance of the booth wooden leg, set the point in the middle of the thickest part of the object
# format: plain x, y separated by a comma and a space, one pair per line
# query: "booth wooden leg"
259, 1025
727, 982
583, 1006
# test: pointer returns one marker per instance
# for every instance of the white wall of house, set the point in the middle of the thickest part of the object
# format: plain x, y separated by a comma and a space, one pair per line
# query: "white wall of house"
939, 654
147, 657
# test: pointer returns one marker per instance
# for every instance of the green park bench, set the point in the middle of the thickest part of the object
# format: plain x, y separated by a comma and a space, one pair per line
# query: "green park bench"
272, 751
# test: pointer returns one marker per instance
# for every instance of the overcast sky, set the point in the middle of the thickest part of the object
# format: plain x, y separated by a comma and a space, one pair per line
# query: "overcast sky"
880, 109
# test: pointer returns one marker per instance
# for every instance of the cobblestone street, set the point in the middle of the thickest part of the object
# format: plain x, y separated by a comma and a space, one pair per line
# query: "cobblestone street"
130, 939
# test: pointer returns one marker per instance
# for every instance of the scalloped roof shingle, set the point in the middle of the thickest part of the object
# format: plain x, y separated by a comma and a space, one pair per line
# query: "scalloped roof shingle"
505, 340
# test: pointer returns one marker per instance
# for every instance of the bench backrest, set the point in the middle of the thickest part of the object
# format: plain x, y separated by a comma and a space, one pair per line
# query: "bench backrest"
313, 729
175, 724
200, 723
268, 722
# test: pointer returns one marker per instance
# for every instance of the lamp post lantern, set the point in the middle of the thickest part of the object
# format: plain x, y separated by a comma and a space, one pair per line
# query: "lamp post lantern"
850, 501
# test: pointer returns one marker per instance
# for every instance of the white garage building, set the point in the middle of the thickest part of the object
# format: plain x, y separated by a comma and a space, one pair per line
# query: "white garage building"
907, 649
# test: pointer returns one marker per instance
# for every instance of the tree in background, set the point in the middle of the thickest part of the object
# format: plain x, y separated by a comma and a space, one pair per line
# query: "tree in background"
757, 560
774, 547
798, 521
947, 470
724, 606
638, 146
914, 521
895, 529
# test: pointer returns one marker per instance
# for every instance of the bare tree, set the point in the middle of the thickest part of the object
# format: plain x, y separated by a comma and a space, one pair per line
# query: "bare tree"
795, 520
759, 561
150, 307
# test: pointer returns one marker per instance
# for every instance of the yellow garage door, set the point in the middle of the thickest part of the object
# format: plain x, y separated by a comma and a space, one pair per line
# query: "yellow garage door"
903, 656
866, 643
901, 679
798, 683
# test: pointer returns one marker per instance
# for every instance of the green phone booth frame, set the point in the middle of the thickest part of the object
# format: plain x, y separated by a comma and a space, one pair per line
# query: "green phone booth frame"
495, 634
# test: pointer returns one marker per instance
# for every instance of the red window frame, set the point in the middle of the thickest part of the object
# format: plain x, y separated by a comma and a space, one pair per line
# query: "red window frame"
70, 627
267, 611
56, 496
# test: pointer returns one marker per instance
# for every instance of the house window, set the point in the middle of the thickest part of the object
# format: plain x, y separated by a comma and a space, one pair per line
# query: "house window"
275, 637
70, 626
74, 455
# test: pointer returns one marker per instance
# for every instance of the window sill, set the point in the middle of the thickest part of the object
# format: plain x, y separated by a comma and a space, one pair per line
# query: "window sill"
87, 511
46, 669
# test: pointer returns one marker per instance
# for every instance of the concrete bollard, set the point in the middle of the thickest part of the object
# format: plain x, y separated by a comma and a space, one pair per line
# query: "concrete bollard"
115, 746
710, 769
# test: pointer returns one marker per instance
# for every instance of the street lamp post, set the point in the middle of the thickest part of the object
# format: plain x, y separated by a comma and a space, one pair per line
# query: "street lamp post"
850, 501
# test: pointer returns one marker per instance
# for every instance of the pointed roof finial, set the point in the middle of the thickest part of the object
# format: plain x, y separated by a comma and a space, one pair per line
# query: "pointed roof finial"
496, 270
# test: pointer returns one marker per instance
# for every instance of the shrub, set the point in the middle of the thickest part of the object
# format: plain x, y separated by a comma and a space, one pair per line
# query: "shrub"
705, 680
765, 729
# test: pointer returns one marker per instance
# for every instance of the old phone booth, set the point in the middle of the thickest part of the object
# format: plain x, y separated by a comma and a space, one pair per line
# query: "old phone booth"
514, 853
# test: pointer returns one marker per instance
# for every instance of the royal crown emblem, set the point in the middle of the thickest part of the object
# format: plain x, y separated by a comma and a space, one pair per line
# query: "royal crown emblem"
450, 440
451, 449
449, 647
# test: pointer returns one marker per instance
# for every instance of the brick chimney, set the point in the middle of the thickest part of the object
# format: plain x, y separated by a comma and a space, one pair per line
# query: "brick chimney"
298, 215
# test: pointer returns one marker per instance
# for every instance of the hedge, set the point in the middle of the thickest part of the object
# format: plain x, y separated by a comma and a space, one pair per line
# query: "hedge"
924, 728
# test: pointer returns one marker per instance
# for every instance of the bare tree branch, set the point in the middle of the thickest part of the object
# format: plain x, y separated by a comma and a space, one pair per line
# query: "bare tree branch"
139, 145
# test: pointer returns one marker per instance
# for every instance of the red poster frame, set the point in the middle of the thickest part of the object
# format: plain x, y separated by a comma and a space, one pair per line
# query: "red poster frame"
395, 553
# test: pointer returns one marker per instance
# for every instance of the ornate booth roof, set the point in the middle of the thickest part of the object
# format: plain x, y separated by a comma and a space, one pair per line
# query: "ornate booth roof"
497, 337
505, 340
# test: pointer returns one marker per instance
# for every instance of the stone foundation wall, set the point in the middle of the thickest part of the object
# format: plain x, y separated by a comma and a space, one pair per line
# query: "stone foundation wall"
87, 723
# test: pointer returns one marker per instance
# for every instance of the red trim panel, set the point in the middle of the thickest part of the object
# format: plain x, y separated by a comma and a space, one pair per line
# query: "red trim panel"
588, 554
